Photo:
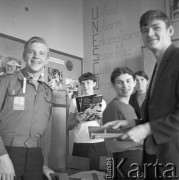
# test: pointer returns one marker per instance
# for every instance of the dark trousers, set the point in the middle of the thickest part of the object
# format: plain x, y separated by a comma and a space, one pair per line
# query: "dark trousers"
93, 151
125, 162
28, 162
150, 159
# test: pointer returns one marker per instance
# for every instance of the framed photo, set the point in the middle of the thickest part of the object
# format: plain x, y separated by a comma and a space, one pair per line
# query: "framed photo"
172, 9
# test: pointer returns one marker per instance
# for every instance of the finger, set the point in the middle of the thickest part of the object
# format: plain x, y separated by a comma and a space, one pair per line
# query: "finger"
117, 125
125, 136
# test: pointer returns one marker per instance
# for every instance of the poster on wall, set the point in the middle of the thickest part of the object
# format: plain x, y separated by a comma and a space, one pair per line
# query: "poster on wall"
72, 87
9, 65
55, 78
172, 9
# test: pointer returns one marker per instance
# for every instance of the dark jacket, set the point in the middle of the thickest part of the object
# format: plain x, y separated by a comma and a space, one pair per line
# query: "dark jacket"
134, 103
162, 110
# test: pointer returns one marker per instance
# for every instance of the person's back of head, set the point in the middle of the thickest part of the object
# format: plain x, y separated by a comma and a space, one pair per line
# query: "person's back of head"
87, 76
151, 15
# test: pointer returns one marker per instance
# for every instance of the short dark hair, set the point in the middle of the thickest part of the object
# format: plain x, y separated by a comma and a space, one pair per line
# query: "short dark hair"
33, 40
154, 14
142, 74
87, 76
121, 70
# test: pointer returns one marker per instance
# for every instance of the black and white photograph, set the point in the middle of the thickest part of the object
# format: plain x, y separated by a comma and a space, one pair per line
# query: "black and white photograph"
89, 89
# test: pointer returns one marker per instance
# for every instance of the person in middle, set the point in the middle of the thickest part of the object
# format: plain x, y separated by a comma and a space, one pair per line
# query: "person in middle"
83, 145
123, 81
137, 99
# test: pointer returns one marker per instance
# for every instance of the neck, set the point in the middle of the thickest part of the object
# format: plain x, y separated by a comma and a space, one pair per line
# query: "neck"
158, 53
124, 99
35, 76
141, 91
88, 94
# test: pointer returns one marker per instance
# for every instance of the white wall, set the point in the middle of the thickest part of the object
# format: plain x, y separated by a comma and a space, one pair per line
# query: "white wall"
60, 22
112, 37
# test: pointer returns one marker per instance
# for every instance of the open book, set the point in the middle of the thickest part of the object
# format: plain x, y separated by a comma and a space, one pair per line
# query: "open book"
103, 132
89, 104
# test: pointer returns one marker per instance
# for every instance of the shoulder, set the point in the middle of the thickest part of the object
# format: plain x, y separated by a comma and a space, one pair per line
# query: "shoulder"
73, 102
47, 87
8, 77
103, 104
112, 105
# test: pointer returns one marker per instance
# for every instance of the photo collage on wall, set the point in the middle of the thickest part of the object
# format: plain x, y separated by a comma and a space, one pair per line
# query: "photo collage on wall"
9, 65
55, 78
172, 9
72, 87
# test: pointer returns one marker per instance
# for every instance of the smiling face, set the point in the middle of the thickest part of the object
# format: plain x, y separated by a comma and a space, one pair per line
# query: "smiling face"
87, 87
124, 85
36, 57
141, 83
156, 35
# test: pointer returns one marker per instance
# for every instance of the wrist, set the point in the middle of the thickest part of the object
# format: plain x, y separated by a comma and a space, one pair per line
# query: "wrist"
76, 121
147, 128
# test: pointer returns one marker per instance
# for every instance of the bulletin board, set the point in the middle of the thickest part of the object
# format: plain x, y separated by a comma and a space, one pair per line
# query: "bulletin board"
148, 59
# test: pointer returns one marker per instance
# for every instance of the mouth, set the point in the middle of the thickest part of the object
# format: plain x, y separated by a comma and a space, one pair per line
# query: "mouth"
151, 40
126, 90
34, 61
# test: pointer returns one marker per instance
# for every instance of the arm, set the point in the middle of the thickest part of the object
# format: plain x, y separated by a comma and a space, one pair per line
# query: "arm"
72, 121
6, 166
119, 146
45, 146
74, 117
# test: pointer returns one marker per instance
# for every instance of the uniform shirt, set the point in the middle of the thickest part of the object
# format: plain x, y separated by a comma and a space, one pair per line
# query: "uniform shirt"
81, 133
30, 122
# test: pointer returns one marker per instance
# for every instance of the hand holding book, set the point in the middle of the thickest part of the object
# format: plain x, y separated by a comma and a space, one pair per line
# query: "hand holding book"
91, 106
109, 130
82, 117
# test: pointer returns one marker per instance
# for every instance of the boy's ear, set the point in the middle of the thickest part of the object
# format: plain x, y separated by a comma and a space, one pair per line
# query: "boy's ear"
94, 84
171, 30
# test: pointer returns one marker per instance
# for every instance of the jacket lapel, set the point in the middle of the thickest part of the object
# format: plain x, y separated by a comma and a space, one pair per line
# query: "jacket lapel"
165, 60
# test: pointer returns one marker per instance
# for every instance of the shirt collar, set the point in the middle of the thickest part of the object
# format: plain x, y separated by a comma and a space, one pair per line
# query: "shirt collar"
23, 73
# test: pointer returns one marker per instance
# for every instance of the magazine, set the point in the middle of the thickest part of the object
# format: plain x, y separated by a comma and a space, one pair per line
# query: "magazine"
89, 104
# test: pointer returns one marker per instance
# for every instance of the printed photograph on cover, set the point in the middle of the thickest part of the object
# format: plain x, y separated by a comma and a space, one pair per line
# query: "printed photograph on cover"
55, 78
9, 65
89, 105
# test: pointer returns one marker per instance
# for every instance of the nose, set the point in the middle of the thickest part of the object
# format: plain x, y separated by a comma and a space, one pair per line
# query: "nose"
150, 32
124, 85
84, 85
36, 54
138, 82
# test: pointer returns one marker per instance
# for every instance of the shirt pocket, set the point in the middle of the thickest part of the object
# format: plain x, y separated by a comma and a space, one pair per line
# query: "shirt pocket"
11, 94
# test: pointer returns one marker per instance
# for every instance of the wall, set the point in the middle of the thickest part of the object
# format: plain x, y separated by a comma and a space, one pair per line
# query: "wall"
58, 21
112, 37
